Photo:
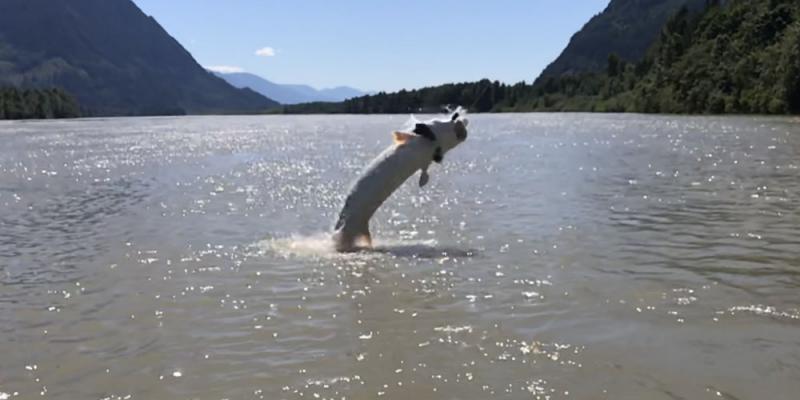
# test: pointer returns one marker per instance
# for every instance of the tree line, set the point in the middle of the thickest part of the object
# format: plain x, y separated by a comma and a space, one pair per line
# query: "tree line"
735, 56
18, 103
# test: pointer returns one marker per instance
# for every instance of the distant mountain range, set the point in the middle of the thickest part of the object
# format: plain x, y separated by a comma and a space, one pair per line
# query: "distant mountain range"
288, 93
112, 57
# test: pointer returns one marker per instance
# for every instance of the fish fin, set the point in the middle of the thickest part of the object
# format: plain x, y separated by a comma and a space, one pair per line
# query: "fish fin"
438, 155
400, 138
424, 178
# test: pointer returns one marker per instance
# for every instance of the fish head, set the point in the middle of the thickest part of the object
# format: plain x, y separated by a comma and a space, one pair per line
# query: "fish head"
450, 132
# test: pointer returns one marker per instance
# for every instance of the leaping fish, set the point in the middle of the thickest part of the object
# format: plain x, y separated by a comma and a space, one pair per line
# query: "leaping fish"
411, 152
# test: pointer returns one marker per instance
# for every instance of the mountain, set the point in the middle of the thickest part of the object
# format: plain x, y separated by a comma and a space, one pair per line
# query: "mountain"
287, 93
626, 28
338, 93
260, 85
112, 57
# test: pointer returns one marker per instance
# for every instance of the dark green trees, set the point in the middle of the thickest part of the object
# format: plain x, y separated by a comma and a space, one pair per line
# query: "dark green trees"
39, 104
734, 58
791, 67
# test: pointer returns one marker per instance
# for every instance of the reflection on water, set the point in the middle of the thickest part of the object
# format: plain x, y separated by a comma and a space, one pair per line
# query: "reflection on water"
551, 256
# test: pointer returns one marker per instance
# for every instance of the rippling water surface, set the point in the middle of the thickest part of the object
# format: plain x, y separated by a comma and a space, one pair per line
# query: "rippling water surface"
551, 257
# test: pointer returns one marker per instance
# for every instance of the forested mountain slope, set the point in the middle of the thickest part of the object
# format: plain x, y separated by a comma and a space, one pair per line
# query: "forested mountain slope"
741, 57
112, 57
626, 28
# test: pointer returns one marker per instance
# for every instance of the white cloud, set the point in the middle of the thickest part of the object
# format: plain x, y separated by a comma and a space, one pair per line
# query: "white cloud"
265, 52
224, 69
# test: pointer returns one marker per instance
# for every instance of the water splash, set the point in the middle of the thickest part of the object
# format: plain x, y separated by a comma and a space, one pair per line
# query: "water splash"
320, 245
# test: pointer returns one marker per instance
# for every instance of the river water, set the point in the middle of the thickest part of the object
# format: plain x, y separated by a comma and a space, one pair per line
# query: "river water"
552, 256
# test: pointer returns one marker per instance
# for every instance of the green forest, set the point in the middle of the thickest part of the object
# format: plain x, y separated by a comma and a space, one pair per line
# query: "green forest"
36, 104
736, 56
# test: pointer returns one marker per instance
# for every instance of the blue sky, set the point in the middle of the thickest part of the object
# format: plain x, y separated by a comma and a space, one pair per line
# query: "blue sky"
377, 44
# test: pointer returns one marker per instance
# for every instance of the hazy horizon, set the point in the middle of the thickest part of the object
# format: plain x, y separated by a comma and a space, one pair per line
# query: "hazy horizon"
374, 47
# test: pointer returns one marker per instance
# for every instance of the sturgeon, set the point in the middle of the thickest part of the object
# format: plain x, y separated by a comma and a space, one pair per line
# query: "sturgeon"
411, 152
